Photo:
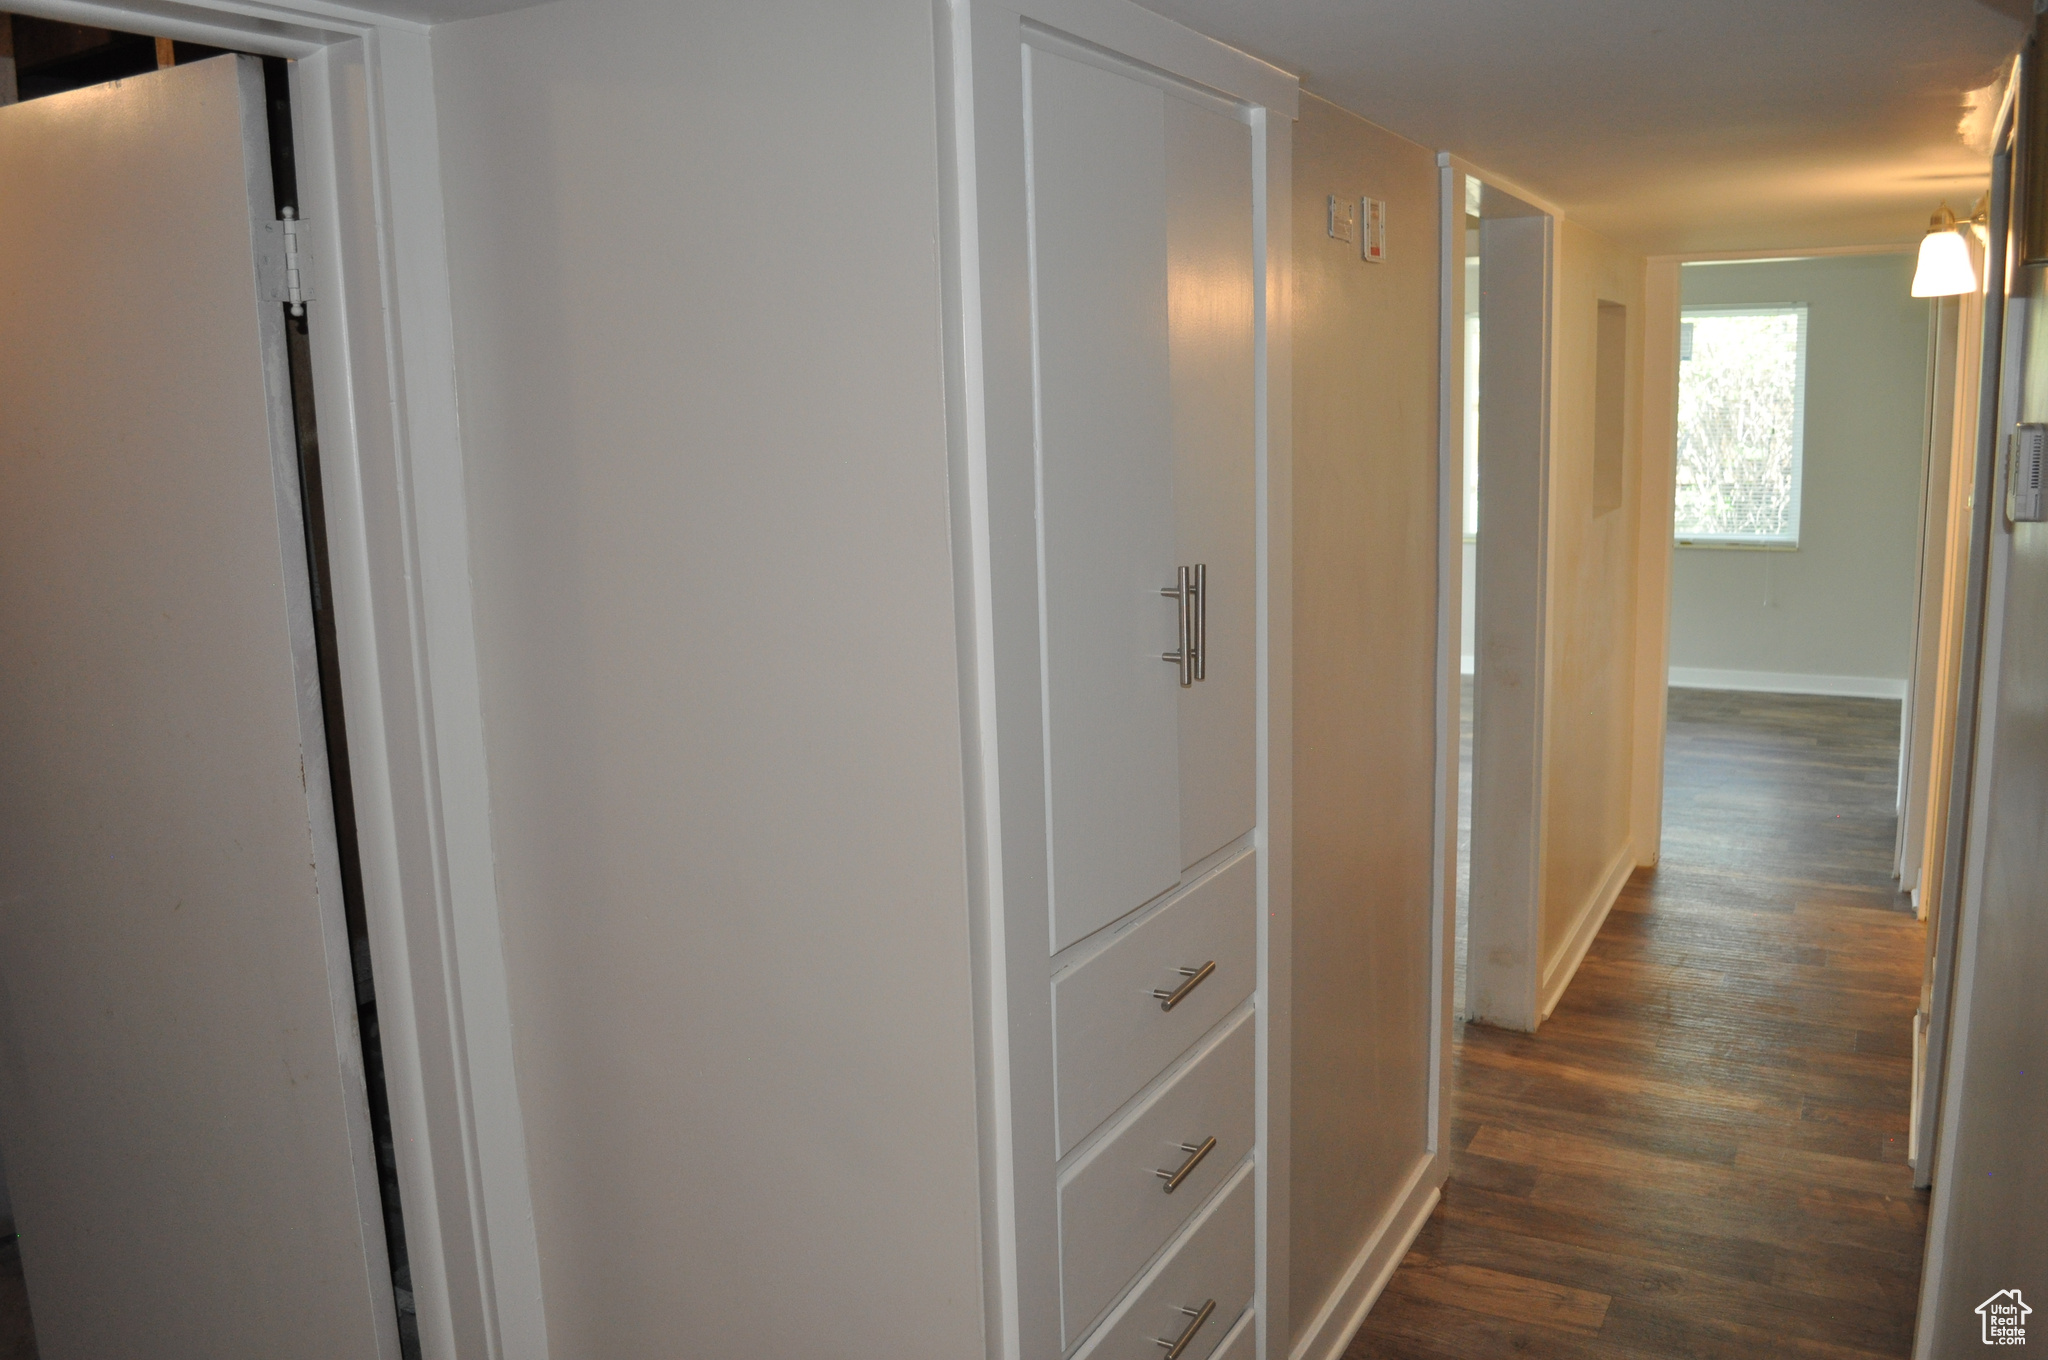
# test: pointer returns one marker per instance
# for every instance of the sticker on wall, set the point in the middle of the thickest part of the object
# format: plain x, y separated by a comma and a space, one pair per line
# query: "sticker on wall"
1343, 215
1373, 245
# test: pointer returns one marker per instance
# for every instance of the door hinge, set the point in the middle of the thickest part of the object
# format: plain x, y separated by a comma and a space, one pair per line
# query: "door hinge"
295, 264
287, 266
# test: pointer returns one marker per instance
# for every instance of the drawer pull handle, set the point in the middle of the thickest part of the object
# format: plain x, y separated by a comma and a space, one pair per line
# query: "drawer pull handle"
1196, 1152
1185, 657
1195, 977
1193, 594
1180, 1343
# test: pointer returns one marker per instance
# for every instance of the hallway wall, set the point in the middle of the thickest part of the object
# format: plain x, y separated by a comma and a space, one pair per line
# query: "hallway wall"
698, 326
1365, 548
1588, 850
732, 877
1989, 1225
1835, 616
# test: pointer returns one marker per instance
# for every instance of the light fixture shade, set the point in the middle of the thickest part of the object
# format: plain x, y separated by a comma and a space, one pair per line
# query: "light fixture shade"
1945, 268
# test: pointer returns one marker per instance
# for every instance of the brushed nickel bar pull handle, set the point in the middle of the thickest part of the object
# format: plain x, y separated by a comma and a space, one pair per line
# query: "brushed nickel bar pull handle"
1185, 657
1168, 1000
1180, 1343
1200, 638
1196, 1152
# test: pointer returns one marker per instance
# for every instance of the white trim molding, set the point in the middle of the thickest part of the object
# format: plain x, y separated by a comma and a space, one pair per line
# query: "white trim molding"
1788, 682
1451, 667
469, 1093
1657, 489
1344, 1311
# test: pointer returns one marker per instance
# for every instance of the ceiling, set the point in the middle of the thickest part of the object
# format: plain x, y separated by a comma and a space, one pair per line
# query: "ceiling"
1670, 126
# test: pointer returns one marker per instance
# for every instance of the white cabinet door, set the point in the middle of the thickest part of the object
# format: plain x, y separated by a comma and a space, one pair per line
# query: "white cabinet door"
1105, 481
182, 1100
1209, 292
1140, 207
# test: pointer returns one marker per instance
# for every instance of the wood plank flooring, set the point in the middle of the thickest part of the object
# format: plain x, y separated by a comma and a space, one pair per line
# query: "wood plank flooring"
1702, 1154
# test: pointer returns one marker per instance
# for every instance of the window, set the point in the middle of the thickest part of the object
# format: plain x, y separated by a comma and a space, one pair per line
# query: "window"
1741, 425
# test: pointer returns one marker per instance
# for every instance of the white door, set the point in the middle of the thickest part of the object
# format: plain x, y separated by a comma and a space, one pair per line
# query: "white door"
181, 1101
1141, 247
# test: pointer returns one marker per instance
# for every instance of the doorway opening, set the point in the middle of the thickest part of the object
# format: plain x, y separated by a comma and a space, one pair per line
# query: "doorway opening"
1707, 1145
43, 59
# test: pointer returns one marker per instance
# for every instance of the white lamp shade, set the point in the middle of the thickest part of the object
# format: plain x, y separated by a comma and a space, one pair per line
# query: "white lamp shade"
1945, 268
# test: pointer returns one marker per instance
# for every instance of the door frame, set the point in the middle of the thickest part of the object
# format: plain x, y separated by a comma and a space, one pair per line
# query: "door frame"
1514, 838
382, 331
1663, 306
1991, 422
2002, 392
1951, 351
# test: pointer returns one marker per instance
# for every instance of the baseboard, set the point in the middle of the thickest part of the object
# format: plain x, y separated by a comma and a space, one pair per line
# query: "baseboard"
1343, 1312
1559, 972
1788, 682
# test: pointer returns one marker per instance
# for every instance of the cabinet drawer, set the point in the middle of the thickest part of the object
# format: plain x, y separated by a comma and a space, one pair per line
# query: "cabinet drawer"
1115, 1210
1110, 1035
1212, 1264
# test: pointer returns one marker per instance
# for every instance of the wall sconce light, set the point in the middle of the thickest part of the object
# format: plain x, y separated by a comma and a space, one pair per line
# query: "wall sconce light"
1945, 269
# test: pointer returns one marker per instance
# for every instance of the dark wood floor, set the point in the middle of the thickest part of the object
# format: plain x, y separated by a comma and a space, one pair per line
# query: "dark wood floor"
1703, 1151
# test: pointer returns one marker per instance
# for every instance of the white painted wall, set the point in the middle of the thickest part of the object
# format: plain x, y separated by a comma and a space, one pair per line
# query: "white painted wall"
1836, 615
697, 296
1365, 620
1589, 731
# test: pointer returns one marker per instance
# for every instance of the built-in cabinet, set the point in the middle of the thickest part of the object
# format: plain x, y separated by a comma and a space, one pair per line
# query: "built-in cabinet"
1115, 457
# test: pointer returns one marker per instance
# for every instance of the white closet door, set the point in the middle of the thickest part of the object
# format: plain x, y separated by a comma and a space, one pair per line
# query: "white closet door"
1209, 291
1141, 238
181, 1097
1098, 232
